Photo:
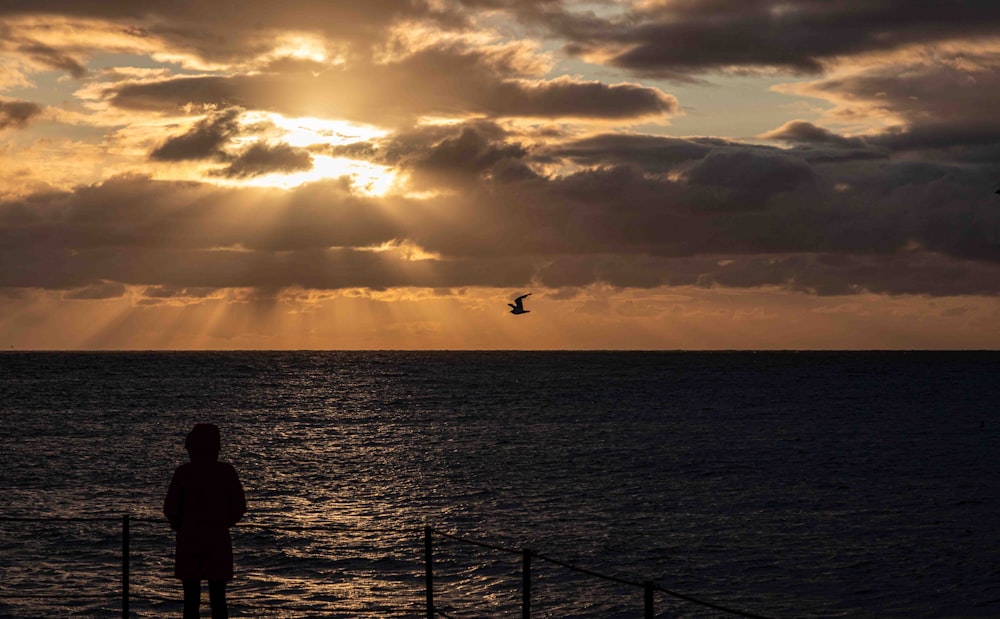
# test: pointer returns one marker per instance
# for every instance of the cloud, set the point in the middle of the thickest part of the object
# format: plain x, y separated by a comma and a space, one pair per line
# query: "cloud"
264, 158
565, 97
899, 227
970, 142
805, 132
651, 152
819, 274
922, 84
933, 104
17, 114
98, 290
661, 154
170, 292
204, 141
451, 155
52, 58
819, 145
677, 39
195, 216
209, 138
441, 80
751, 174
515, 174
475, 148
215, 32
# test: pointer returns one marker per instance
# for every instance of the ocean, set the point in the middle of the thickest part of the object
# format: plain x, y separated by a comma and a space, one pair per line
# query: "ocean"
783, 484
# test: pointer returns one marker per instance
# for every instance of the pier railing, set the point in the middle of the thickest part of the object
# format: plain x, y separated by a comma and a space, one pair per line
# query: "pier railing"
649, 588
527, 556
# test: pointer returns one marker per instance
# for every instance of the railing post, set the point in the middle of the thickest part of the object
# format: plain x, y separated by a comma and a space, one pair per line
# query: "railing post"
647, 588
526, 584
125, 562
429, 570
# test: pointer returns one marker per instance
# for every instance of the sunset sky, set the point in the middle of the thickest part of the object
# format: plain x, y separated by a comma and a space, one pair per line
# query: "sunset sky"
659, 174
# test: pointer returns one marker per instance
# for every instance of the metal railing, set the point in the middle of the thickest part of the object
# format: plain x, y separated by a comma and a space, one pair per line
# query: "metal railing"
649, 588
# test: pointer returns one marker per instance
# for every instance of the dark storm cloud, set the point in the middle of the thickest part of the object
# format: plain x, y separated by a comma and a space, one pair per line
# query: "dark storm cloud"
16, 114
264, 158
678, 38
204, 141
440, 80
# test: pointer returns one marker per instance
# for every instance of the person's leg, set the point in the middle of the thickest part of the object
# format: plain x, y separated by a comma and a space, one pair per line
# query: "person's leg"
192, 598
217, 598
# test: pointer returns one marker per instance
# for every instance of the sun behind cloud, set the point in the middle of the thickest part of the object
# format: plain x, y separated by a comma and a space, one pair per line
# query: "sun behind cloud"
236, 148
365, 178
303, 132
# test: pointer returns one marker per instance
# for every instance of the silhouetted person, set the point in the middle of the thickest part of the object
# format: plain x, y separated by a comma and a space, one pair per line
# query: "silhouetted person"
205, 499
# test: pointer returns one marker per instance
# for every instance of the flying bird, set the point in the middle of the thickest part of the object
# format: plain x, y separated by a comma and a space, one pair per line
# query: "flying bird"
517, 307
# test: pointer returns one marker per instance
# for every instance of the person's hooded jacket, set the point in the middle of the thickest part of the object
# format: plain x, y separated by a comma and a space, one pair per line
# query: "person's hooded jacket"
204, 500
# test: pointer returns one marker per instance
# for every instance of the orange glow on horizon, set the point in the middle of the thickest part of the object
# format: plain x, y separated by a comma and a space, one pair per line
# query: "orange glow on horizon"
478, 319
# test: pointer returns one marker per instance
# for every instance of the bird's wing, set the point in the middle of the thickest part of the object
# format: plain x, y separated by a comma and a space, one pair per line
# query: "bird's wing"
518, 300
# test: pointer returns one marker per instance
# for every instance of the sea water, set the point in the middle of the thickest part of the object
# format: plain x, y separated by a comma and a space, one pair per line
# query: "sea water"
786, 484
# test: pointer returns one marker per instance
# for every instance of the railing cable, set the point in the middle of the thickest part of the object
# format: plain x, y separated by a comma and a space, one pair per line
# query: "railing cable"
588, 572
712, 605
644, 585
475, 542
60, 518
